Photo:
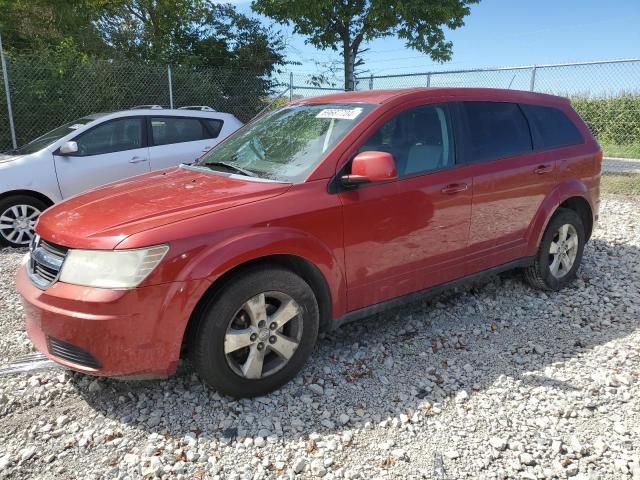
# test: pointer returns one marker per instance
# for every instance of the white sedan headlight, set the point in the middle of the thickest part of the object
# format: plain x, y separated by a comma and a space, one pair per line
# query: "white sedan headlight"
111, 268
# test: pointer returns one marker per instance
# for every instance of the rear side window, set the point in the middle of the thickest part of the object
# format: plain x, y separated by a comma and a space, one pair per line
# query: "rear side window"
213, 127
551, 128
166, 130
495, 130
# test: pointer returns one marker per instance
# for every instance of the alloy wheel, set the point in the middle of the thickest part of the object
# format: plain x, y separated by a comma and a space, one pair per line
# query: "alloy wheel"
263, 335
17, 223
563, 250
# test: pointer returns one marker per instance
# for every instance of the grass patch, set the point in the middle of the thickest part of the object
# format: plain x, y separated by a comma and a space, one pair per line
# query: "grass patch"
621, 184
621, 151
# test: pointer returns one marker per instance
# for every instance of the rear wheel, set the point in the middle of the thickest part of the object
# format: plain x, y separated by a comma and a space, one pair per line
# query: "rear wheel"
257, 333
18, 215
560, 252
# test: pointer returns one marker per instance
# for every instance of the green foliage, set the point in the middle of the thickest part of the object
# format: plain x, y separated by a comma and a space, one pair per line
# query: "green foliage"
66, 85
189, 32
620, 184
614, 121
631, 150
347, 24
71, 58
41, 25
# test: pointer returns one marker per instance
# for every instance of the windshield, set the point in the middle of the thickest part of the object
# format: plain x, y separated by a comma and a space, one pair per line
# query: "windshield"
52, 136
285, 144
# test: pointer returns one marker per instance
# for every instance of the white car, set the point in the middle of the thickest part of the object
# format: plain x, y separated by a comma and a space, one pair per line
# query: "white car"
96, 150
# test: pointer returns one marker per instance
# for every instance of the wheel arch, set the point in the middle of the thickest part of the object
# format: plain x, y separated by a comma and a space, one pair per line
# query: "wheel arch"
31, 193
573, 195
582, 207
309, 272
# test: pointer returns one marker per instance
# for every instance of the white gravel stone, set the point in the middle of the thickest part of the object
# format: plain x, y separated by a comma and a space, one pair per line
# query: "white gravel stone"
27, 453
399, 453
5, 461
499, 443
317, 389
317, 468
299, 464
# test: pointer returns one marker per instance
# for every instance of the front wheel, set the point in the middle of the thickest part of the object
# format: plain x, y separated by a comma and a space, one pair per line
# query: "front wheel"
560, 252
257, 333
18, 215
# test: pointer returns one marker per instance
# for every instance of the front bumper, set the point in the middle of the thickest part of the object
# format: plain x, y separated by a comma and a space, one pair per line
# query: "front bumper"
136, 332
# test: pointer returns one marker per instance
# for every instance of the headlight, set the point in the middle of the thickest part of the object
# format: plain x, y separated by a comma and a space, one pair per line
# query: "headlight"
111, 268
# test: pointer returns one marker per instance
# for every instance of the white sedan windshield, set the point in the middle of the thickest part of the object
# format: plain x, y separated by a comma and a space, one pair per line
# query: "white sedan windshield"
53, 136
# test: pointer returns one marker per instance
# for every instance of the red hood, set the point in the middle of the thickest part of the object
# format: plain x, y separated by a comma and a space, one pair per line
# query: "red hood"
103, 217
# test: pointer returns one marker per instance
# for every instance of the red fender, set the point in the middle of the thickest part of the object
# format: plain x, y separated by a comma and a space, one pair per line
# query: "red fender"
561, 193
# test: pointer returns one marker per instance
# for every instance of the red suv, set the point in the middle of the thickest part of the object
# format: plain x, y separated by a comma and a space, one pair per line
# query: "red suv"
321, 212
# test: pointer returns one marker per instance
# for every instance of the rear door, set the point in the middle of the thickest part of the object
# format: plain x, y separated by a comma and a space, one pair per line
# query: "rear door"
175, 140
113, 150
406, 235
510, 180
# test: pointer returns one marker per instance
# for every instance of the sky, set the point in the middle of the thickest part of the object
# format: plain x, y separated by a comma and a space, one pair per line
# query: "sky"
502, 33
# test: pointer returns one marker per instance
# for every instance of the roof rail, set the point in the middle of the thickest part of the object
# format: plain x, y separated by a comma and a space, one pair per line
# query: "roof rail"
202, 108
147, 107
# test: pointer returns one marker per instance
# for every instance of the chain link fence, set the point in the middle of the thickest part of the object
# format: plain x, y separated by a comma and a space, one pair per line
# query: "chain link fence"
606, 94
45, 95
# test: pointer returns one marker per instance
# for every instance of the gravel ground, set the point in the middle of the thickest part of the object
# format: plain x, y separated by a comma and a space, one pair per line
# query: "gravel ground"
496, 380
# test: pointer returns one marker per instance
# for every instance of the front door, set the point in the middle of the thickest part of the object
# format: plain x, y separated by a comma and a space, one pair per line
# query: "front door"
113, 150
406, 235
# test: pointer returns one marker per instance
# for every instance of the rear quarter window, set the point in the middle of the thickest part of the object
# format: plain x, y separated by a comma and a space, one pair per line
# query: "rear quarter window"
213, 126
551, 128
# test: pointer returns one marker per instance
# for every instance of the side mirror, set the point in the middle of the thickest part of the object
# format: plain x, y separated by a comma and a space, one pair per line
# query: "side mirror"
69, 148
369, 167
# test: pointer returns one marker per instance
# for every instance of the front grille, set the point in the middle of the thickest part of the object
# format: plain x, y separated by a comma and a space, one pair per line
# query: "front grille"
71, 353
45, 262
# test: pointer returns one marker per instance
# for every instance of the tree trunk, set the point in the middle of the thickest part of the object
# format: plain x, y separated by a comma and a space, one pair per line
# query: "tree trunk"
349, 59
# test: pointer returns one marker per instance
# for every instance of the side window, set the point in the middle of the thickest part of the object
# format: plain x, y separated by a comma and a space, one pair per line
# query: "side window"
213, 127
551, 128
113, 136
166, 130
495, 130
419, 139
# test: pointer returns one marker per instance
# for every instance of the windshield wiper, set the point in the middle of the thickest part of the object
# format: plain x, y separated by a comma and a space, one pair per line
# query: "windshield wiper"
229, 166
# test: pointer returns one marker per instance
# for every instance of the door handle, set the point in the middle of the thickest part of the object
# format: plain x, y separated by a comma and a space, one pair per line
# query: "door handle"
206, 149
455, 188
542, 169
137, 159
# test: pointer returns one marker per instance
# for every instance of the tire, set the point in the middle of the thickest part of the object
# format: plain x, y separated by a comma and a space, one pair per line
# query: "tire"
18, 215
544, 274
235, 311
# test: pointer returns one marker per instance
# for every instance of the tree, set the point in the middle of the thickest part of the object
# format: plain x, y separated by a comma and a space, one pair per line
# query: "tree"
347, 24
190, 32
30, 26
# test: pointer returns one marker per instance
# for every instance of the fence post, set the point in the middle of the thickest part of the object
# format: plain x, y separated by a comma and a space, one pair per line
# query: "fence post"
170, 86
5, 77
532, 85
371, 82
428, 79
290, 86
